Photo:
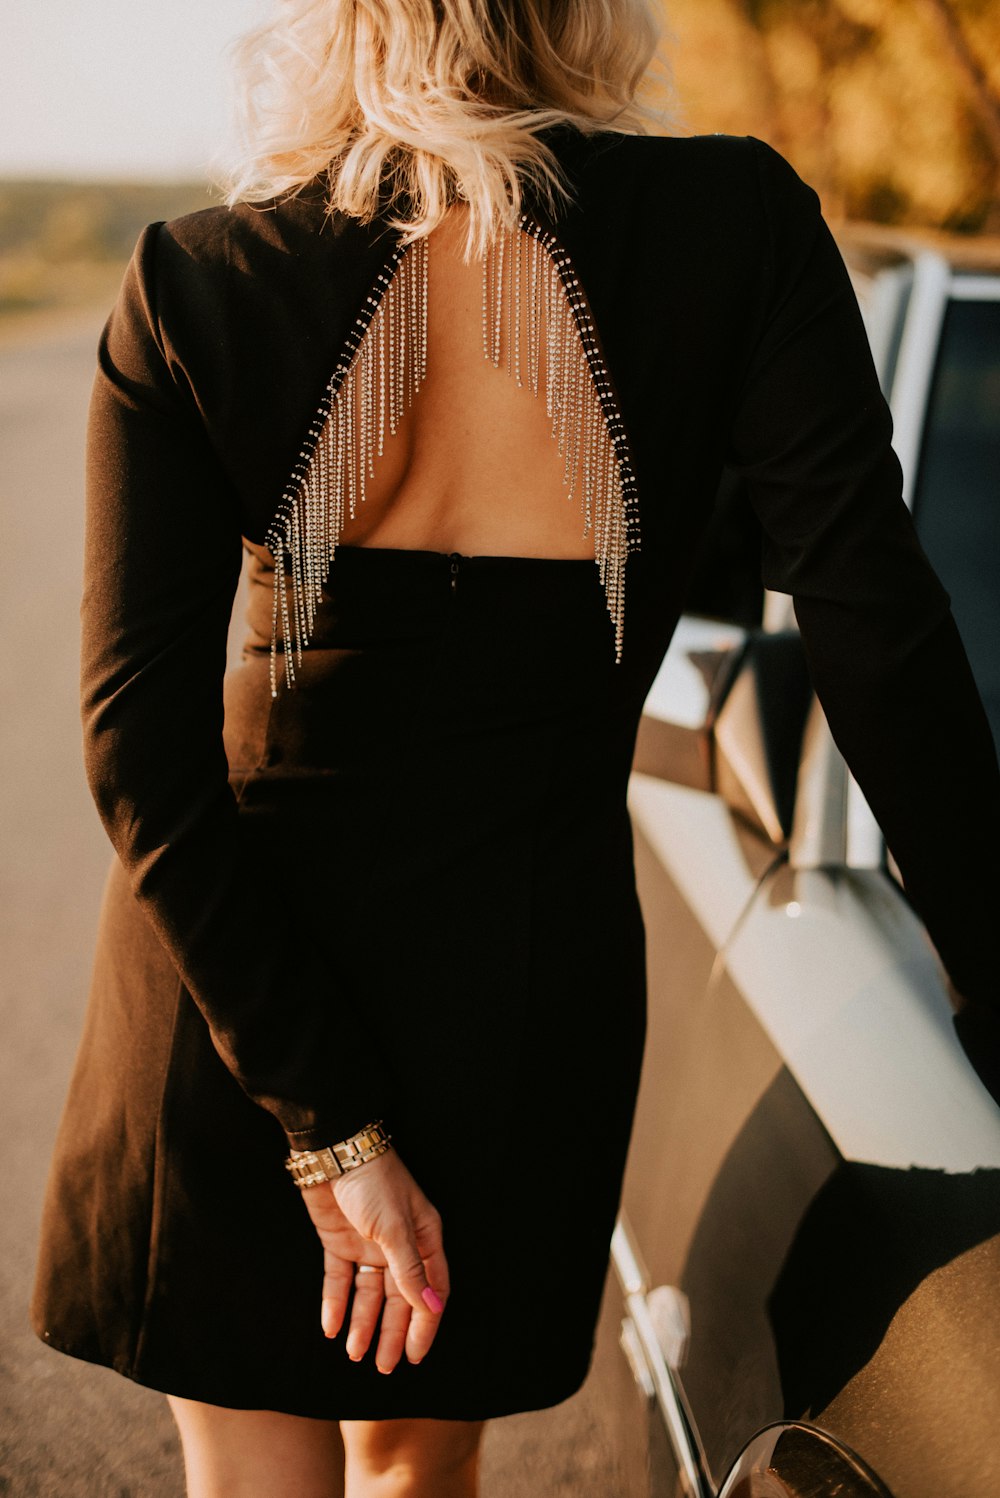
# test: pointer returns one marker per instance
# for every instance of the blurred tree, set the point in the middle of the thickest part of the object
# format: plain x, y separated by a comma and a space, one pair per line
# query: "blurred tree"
984, 98
759, 59
890, 108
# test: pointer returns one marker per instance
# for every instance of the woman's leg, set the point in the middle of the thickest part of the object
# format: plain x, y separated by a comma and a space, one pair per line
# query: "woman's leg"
258, 1453
412, 1458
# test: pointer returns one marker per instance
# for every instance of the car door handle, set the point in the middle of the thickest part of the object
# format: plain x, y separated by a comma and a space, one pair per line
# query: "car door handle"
646, 1351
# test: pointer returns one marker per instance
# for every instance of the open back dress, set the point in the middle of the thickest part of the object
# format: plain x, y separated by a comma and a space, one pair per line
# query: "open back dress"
383, 868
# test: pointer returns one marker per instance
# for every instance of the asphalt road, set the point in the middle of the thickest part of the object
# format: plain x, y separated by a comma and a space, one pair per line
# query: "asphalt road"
68, 1430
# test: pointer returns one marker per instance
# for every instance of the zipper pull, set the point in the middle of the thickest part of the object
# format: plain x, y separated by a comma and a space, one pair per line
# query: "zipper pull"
455, 557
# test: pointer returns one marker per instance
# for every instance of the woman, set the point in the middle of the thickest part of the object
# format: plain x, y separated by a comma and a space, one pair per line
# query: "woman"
462, 330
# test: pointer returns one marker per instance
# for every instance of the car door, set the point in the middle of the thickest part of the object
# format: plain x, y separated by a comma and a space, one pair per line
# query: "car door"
712, 813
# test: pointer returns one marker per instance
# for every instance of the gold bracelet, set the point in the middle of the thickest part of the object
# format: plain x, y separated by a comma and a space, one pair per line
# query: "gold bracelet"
314, 1167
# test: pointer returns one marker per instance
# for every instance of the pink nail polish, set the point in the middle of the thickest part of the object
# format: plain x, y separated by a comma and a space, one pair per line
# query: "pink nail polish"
428, 1296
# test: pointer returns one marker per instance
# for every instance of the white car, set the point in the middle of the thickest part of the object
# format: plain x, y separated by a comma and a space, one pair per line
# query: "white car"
806, 1284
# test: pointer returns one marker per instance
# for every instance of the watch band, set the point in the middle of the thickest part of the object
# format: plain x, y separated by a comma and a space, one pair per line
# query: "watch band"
314, 1167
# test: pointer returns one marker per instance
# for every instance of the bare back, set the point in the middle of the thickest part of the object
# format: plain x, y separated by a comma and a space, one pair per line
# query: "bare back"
473, 466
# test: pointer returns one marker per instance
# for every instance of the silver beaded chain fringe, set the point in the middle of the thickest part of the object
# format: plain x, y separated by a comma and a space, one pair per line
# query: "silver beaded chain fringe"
528, 285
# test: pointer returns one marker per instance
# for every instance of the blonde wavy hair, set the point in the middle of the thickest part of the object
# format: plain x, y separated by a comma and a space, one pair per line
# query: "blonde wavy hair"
412, 105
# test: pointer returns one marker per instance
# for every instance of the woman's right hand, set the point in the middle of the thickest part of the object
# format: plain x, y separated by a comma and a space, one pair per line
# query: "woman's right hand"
376, 1214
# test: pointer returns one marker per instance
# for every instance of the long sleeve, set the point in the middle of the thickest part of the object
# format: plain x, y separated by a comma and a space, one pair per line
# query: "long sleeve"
162, 560
812, 432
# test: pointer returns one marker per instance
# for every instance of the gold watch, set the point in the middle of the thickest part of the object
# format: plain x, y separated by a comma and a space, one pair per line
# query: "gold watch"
314, 1167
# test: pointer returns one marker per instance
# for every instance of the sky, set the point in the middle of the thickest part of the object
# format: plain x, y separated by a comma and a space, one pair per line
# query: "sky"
116, 88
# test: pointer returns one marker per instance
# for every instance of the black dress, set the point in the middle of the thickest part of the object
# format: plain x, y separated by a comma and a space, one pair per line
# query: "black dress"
402, 886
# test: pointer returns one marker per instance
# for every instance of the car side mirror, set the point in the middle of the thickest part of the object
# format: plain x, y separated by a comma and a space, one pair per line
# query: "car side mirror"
726, 715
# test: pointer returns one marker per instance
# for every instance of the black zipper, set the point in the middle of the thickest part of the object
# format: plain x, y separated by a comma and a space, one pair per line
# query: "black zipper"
454, 557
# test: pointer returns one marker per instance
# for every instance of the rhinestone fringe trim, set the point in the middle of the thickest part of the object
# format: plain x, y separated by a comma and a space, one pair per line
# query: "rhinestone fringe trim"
381, 367
528, 283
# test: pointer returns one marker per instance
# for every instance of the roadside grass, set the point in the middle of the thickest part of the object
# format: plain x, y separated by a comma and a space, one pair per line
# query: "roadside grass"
64, 245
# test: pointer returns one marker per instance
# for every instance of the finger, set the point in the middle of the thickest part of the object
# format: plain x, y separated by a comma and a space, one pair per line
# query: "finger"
396, 1315
430, 1246
406, 1263
412, 1276
368, 1298
338, 1277
420, 1333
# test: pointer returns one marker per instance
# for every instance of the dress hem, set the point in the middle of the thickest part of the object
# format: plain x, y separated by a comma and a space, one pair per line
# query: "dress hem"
411, 1408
